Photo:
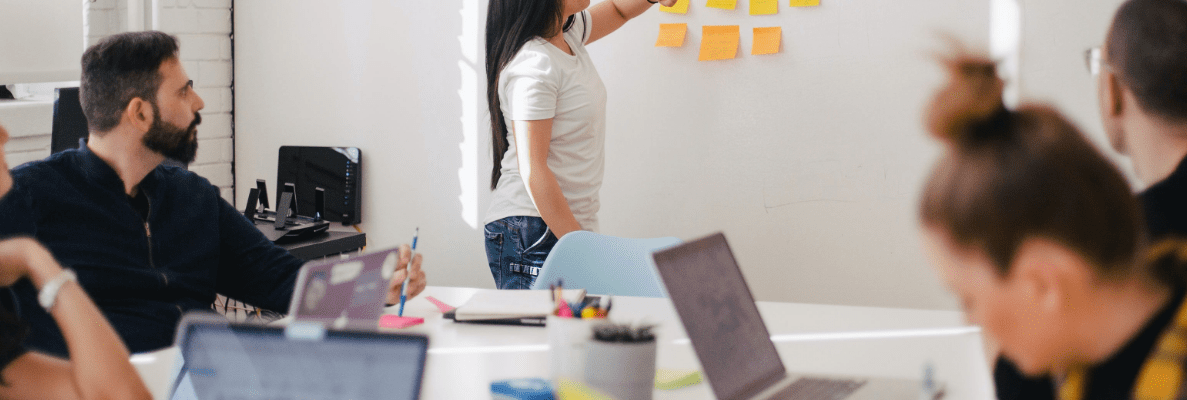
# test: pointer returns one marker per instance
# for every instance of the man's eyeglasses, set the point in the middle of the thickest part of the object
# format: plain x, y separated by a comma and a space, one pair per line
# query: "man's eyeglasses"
1093, 61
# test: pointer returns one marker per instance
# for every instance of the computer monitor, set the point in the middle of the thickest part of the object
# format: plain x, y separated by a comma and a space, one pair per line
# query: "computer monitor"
335, 170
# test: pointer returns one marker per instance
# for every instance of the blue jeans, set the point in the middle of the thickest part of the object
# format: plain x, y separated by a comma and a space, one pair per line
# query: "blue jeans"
516, 248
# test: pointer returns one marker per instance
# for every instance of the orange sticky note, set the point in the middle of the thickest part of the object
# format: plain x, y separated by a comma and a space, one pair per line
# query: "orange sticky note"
719, 42
766, 40
764, 7
398, 322
723, 4
681, 7
805, 3
671, 35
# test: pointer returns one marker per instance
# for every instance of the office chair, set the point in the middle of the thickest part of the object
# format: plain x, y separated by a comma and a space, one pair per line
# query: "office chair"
70, 125
603, 264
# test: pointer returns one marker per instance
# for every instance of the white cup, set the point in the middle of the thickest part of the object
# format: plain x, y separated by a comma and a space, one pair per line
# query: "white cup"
623, 370
567, 338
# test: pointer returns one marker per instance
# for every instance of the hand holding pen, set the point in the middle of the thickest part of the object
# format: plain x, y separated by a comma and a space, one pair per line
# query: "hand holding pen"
409, 279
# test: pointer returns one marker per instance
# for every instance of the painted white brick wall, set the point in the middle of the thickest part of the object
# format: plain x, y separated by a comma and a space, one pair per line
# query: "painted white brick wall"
204, 29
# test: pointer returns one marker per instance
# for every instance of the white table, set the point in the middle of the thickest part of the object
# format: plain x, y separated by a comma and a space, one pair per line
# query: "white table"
811, 338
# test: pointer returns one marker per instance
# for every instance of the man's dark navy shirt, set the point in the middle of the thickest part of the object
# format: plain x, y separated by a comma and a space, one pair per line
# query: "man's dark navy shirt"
1165, 206
142, 273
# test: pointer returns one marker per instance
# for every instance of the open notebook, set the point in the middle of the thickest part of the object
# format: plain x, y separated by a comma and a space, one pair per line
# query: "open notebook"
513, 307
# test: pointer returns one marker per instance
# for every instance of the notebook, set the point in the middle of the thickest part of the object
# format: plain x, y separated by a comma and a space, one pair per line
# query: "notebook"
345, 293
511, 307
716, 308
218, 359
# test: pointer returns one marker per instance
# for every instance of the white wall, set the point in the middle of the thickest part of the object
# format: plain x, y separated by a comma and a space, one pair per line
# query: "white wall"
817, 197
399, 80
1055, 35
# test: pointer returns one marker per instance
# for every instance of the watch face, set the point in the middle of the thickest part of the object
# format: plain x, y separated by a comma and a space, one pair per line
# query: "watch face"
315, 291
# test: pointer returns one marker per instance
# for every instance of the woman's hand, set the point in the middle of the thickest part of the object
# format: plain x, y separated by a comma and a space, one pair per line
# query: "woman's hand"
668, 3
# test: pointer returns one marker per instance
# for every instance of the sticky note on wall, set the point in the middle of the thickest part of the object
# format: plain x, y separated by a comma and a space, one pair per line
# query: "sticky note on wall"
719, 42
671, 35
681, 7
805, 3
723, 4
764, 7
766, 40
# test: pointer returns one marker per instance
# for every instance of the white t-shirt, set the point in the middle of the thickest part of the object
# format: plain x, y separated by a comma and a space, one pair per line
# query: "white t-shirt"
542, 82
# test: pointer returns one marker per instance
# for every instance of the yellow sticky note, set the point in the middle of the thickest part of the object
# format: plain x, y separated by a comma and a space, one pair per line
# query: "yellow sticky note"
805, 3
719, 42
671, 35
681, 7
764, 7
723, 4
766, 40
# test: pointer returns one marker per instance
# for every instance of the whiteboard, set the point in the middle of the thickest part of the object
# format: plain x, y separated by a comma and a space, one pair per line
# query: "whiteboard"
810, 160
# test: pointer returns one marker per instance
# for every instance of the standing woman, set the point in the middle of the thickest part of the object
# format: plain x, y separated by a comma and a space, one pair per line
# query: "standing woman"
548, 124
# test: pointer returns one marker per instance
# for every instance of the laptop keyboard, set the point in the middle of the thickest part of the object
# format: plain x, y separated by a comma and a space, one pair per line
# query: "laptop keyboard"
819, 389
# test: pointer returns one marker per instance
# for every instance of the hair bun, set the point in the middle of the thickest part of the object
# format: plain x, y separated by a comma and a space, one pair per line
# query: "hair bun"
973, 96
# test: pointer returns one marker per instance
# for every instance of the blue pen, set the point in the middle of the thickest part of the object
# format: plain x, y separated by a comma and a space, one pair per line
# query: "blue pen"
409, 272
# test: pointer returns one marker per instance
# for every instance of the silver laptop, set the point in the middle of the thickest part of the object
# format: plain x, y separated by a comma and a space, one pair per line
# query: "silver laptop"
218, 359
731, 340
345, 293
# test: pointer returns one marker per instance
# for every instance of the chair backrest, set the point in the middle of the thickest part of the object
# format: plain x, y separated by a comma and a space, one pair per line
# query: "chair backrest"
70, 124
603, 264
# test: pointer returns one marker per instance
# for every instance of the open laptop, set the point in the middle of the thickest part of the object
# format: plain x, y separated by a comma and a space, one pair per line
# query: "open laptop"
345, 293
218, 359
731, 340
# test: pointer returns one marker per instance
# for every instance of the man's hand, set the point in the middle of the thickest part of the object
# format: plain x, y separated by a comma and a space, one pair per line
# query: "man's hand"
417, 282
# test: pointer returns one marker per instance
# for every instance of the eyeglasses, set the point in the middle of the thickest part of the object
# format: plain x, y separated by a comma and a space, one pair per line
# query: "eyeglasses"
1093, 61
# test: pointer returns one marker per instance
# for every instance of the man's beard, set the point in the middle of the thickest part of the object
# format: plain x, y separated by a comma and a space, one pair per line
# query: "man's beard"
173, 141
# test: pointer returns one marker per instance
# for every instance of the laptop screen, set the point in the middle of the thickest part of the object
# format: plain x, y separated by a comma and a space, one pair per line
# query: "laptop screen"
221, 361
720, 317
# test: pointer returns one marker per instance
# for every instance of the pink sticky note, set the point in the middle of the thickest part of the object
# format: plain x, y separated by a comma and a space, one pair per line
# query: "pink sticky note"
440, 304
398, 322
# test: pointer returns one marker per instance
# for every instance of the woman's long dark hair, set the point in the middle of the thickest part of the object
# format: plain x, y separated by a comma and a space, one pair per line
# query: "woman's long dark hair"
12, 333
509, 25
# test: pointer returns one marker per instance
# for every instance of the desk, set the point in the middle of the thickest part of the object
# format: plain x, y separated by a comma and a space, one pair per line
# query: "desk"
811, 338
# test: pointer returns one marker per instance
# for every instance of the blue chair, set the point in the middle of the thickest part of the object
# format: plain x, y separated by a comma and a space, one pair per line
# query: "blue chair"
603, 264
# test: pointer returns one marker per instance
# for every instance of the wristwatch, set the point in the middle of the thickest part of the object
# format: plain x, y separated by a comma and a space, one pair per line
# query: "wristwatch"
49, 293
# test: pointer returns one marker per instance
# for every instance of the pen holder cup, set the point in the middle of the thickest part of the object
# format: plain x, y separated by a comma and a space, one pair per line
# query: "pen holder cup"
623, 370
567, 338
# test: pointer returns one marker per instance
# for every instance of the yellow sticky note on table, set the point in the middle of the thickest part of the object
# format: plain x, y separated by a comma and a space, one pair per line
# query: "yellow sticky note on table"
671, 35
719, 42
723, 4
681, 7
805, 3
766, 40
764, 7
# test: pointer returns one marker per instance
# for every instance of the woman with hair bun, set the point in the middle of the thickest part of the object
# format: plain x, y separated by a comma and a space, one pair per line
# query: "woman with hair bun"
1041, 239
